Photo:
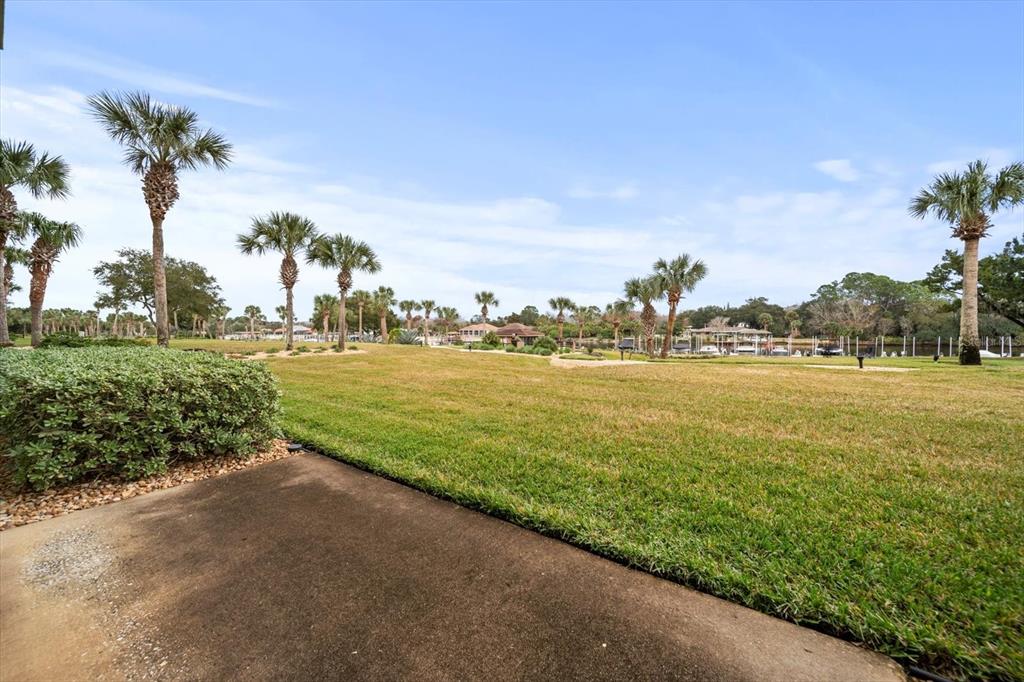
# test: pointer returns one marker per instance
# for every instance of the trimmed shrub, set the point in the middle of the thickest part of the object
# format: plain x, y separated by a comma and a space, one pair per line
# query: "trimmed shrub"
458, 342
70, 414
491, 339
544, 351
64, 340
546, 342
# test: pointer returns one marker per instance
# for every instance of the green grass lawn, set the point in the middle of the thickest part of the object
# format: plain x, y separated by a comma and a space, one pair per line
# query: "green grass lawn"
884, 507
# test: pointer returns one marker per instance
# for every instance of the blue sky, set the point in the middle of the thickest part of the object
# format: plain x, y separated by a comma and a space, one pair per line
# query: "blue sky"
533, 149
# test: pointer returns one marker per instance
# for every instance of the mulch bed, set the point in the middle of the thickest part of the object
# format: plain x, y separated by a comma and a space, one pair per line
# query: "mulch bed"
20, 506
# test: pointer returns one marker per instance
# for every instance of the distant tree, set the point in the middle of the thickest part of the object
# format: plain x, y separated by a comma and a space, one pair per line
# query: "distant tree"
254, 315
50, 240
559, 305
408, 307
348, 256
324, 309
129, 281
615, 314
383, 299
160, 140
967, 201
447, 317
486, 300
43, 176
765, 321
584, 314
677, 277
361, 299
793, 322
644, 291
428, 306
529, 316
287, 234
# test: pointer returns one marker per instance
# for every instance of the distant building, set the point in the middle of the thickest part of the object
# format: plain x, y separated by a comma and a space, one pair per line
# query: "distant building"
475, 332
519, 334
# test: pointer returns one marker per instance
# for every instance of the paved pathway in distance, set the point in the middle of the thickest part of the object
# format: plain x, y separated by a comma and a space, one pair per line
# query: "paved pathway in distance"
305, 568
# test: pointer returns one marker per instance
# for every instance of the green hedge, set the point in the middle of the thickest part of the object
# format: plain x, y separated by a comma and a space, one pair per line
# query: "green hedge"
67, 414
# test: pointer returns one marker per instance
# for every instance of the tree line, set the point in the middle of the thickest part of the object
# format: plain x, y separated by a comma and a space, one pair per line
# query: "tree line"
162, 140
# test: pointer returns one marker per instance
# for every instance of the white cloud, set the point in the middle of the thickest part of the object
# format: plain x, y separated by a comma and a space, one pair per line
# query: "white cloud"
144, 77
621, 192
840, 169
994, 156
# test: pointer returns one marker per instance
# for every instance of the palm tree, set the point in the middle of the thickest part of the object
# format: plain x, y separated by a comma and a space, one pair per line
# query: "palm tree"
486, 300
43, 176
676, 277
408, 307
383, 299
644, 291
560, 304
584, 314
287, 234
52, 238
160, 140
361, 298
323, 306
615, 313
765, 320
254, 313
447, 316
967, 201
427, 305
347, 256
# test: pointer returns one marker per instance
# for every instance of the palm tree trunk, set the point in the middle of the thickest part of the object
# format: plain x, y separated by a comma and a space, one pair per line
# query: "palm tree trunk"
561, 338
970, 345
341, 320
360, 321
668, 332
163, 334
383, 328
37, 292
288, 327
326, 319
5, 339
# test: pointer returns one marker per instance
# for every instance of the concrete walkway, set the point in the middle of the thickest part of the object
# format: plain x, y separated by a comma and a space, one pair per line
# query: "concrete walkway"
305, 568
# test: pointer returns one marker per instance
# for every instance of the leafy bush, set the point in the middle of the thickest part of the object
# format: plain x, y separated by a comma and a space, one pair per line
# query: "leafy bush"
491, 339
303, 349
480, 345
393, 335
458, 342
121, 342
272, 350
64, 340
511, 349
544, 351
546, 342
353, 347
67, 414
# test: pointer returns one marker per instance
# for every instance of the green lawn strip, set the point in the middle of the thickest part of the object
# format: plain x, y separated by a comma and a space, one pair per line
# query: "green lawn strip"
875, 506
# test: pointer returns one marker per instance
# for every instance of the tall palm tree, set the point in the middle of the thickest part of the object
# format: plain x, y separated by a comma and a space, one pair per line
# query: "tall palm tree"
323, 306
677, 277
615, 313
486, 300
160, 140
383, 299
361, 299
254, 313
408, 307
346, 255
287, 234
51, 238
560, 304
428, 306
967, 201
644, 291
43, 176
